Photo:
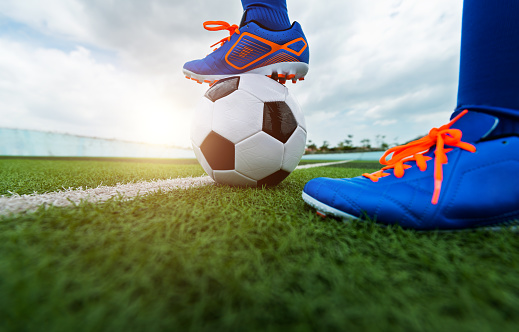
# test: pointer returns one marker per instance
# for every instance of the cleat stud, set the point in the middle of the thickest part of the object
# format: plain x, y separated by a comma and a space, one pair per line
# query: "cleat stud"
301, 78
320, 214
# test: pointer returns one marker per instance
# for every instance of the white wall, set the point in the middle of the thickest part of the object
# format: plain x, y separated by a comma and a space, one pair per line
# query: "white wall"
19, 142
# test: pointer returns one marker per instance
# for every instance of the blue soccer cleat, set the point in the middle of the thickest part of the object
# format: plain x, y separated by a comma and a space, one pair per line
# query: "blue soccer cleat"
442, 181
251, 48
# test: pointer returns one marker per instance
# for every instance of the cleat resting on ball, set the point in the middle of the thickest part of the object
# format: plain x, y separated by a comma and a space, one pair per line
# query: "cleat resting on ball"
254, 49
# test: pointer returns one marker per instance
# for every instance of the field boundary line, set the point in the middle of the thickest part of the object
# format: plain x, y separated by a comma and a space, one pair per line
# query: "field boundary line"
323, 164
16, 203
28, 203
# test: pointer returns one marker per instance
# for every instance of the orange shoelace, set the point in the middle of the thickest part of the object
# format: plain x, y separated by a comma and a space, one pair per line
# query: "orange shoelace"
414, 151
221, 25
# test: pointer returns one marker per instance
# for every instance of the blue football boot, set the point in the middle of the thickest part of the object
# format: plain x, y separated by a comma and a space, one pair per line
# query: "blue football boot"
459, 176
251, 48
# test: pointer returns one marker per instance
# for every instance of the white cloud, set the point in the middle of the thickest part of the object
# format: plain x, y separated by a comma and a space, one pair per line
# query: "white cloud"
53, 90
376, 67
392, 61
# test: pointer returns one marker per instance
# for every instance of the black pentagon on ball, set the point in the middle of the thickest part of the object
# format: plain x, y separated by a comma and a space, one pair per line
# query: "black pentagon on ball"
273, 179
222, 88
278, 120
218, 151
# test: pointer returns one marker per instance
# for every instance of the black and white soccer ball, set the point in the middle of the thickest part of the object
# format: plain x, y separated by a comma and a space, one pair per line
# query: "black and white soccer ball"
248, 131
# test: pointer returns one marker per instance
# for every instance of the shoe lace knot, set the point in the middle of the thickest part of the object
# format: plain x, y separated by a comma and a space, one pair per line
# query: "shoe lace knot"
415, 150
221, 25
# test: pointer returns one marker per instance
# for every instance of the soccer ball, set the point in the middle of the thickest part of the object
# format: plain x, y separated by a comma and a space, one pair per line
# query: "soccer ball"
248, 130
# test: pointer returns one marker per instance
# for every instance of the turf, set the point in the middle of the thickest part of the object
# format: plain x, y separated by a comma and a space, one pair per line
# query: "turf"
216, 258
41, 175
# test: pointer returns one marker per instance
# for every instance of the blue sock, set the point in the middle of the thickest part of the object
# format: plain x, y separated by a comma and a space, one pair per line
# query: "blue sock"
489, 64
271, 14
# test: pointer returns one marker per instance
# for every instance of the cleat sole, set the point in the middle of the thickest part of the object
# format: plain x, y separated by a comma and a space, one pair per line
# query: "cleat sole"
320, 214
281, 72
323, 209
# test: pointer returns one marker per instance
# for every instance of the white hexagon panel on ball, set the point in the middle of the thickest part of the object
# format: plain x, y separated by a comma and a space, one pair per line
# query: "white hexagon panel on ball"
202, 121
259, 156
201, 159
233, 178
237, 116
263, 87
294, 150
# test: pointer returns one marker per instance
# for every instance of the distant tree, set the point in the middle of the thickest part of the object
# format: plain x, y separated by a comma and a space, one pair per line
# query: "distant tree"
311, 146
325, 147
380, 142
345, 144
395, 141
366, 143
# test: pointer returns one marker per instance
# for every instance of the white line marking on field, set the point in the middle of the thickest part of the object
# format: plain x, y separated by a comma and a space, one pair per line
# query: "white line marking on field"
323, 164
27, 203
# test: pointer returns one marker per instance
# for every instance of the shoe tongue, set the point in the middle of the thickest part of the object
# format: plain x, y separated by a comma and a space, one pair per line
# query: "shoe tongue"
475, 125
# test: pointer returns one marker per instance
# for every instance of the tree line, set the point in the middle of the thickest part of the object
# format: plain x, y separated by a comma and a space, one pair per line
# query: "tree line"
347, 145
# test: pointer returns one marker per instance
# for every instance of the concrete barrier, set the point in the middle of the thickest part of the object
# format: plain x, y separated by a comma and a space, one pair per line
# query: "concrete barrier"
372, 155
20, 142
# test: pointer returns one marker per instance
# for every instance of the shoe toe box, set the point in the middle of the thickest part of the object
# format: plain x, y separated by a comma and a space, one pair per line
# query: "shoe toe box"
364, 199
196, 67
210, 65
332, 193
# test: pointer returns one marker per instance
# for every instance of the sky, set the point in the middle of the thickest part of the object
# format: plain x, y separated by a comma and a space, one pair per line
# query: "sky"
113, 69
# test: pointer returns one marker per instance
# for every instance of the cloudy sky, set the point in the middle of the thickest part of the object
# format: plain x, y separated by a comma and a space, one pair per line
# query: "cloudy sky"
113, 69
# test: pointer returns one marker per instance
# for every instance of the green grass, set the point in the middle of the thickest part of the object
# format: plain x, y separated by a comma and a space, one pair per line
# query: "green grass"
216, 258
26, 176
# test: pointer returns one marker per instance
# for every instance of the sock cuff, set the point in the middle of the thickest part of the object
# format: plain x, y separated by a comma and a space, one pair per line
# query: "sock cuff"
270, 18
492, 110
280, 5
